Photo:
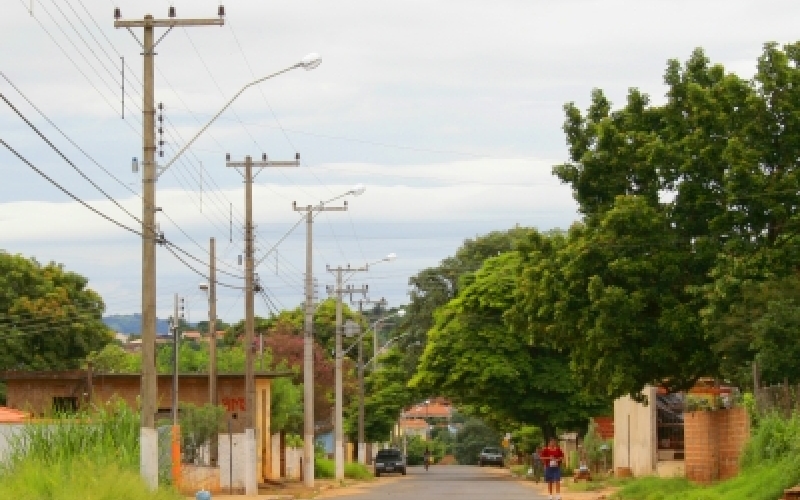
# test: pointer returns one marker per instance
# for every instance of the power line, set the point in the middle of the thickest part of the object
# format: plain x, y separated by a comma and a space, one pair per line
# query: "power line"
68, 193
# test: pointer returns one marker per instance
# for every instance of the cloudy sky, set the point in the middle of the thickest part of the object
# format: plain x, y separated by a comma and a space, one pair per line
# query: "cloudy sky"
449, 111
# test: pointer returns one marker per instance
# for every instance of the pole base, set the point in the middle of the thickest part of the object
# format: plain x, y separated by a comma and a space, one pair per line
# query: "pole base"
148, 462
250, 465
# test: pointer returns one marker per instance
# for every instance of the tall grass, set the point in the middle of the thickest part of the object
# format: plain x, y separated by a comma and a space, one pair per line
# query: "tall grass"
106, 435
80, 479
92, 455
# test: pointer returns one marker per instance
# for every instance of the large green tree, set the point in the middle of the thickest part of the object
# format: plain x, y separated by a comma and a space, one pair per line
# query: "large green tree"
49, 318
685, 204
502, 374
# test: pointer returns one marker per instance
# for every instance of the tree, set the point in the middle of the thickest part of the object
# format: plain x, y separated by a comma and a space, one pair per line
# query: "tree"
386, 394
49, 318
711, 174
503, 375
472, 438
434, 287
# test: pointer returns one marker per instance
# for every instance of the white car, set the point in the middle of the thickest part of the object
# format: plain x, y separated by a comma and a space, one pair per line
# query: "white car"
491, 456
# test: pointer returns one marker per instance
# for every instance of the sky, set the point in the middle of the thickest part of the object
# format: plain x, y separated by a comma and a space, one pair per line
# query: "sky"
448, 111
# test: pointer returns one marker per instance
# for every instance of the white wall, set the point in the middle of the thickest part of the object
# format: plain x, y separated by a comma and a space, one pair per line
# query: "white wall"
635, 435
6, 432
225, 456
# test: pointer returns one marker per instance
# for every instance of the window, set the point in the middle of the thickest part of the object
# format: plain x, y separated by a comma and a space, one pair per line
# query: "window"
65, 404
669, 425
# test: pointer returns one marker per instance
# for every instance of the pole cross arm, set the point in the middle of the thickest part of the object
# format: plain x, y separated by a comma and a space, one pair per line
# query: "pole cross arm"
166, 23
264, 164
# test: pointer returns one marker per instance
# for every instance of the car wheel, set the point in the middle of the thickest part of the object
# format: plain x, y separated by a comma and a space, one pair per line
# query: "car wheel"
377, 474
480, 464
403, 471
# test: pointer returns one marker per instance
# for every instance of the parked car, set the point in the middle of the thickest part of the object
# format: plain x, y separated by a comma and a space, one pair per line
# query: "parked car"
491, 456
389, 460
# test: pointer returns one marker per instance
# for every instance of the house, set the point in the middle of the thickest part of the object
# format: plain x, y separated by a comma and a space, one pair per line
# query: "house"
41, 393
413, 427
666, 438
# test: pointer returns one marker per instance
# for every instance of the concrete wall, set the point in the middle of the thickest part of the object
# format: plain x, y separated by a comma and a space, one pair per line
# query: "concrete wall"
635, 437
237, 455
714, 443
7, 431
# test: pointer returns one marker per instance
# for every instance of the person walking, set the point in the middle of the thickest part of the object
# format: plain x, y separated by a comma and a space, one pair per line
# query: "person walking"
426, 457
536, 464
552, 457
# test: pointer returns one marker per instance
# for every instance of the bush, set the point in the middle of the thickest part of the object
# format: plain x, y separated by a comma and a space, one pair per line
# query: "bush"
324, 469
355, 470
774, 438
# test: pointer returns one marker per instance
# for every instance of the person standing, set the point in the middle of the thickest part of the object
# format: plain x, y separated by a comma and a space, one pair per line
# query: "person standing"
552, 457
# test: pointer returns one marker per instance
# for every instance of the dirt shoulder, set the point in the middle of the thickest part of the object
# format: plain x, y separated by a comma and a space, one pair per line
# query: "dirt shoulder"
601, 493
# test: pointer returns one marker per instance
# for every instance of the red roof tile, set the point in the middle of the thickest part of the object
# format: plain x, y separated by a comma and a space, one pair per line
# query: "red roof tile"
10, 415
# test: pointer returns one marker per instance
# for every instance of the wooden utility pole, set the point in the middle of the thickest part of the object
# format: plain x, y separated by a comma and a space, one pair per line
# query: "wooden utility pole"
149, 436
251, 485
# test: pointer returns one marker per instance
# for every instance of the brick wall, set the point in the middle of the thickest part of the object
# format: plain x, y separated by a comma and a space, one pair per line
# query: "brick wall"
714, 441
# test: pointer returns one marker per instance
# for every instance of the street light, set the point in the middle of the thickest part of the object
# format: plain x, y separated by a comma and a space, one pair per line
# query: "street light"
308, 63
375, 325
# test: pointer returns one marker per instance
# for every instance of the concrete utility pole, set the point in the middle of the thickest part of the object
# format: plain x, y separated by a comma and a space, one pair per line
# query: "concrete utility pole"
250, 483
149, 437
339, 290
175, 341
362, 445
308, 343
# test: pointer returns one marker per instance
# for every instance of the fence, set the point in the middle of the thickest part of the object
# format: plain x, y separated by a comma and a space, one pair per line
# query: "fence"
784, 398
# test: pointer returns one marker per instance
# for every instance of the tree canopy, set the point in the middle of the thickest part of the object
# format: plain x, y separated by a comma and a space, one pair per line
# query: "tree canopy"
49, 318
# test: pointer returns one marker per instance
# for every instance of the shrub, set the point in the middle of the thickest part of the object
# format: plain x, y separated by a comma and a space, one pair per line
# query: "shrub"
324, 469
356, 470
775, 438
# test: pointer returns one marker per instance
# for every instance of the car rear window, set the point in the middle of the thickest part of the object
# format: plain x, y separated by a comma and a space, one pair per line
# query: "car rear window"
491, 450
389, 454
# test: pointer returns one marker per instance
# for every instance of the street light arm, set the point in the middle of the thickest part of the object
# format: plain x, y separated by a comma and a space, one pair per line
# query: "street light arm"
227, 105
385, 347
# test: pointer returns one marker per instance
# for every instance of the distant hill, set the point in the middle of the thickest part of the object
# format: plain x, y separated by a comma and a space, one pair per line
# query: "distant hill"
132, 324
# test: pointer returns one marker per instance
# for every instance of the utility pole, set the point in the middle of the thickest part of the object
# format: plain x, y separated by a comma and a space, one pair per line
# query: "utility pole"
175, 341
362, 445
250, 481
149, 438
339, 290
308, 342
212, 340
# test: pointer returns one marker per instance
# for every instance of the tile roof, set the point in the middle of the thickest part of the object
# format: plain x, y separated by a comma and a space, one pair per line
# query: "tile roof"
10, 415
433, 410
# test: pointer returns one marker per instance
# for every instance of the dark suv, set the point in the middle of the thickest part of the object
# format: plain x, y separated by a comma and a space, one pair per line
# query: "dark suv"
491, 455
389, 460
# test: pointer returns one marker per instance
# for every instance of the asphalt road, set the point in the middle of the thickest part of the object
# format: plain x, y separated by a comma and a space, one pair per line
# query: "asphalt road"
447, 482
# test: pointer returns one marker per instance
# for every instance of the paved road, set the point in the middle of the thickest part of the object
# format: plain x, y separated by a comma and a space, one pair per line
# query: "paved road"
445, 482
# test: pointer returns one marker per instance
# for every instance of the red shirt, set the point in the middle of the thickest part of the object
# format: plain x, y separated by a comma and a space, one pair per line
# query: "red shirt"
549, 454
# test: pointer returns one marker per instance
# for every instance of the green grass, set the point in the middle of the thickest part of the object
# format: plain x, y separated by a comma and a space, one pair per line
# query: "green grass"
77, 480
324, 469
764, 482
90, 456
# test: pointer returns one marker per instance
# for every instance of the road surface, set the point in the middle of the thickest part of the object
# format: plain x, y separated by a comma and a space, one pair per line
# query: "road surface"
444, 482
